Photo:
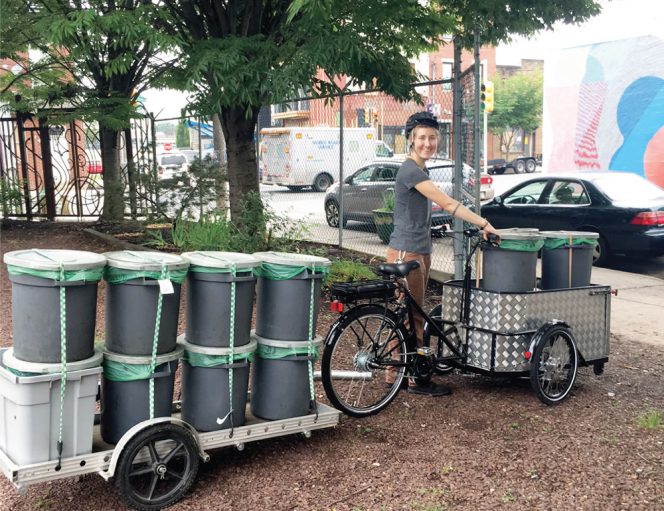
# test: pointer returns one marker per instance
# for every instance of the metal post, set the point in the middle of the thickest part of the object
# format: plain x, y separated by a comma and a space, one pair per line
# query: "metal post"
458, 158
20, 124
476, 123
341, 168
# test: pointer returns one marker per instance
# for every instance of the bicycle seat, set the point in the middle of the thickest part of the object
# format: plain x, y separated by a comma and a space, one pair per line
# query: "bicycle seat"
398, 269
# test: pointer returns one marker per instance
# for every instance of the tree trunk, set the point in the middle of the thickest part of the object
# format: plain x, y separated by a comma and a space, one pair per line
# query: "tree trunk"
241, 148
113, 187
220, 151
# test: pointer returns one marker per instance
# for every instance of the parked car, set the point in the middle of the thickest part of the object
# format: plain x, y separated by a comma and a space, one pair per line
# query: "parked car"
364, 189
625, 209
171, 163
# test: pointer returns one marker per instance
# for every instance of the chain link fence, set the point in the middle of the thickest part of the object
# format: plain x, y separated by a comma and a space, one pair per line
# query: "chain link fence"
313, 145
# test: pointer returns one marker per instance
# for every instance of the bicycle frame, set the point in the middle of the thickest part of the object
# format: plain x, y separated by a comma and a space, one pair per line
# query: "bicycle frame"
407, 302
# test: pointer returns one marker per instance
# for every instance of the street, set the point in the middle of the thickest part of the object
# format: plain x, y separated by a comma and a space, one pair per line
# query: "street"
307, 208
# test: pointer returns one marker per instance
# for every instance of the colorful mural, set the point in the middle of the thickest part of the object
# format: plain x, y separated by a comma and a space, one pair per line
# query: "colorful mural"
604, 108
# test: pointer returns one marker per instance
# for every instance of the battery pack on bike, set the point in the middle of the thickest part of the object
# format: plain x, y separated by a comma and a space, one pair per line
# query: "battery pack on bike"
351, 292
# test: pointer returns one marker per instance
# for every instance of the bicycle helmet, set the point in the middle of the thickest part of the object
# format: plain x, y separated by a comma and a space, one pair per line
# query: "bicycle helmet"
421, 119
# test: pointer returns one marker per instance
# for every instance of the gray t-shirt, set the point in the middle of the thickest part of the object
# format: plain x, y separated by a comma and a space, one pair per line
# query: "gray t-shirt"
412, 211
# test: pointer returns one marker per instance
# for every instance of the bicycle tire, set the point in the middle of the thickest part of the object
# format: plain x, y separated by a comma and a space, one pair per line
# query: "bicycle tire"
355, 367
554, 364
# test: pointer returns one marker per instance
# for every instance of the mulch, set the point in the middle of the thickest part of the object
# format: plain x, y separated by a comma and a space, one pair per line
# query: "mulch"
490, 445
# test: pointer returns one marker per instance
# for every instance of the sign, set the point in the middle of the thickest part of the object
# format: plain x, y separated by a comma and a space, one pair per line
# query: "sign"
168, 147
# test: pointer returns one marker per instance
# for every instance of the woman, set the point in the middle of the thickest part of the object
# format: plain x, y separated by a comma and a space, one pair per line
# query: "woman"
411, 239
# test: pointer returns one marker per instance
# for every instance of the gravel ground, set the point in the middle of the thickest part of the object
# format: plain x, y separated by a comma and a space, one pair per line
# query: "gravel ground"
490, 445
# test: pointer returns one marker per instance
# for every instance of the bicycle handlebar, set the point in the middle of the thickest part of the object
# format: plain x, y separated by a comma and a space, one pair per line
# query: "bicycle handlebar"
493, 239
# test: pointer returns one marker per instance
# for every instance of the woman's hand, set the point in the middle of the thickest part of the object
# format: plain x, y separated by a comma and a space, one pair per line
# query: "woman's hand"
487, 229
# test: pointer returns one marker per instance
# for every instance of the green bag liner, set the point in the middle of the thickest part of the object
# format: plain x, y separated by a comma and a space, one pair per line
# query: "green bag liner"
274, 353
284, 272
202, 360
119, 371
118, 275
553, 243
89, 275
521, 245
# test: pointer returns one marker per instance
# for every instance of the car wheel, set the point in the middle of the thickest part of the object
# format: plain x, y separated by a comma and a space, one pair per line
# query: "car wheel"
322, 182
519, 166
601, 252
499, 171
531, 165
332, 213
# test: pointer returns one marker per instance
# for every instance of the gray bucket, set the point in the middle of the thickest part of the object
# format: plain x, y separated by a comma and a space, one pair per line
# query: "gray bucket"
507, 270
283, 307
559, 271
208, 309
36, 305
280, 387
126, 403
131, 306
205, 391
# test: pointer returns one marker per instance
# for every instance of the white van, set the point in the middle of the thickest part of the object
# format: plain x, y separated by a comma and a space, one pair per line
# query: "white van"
302, 157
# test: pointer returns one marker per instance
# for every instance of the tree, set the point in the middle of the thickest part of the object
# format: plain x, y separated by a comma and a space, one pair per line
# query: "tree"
499, 20
182, 135
238, 56
517, 106
96, 58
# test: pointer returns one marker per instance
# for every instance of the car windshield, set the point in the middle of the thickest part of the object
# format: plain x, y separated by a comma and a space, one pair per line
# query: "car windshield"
173, 160
626, 187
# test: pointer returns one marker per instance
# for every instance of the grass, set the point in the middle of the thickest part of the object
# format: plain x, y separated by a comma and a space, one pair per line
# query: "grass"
345, 270
651, 420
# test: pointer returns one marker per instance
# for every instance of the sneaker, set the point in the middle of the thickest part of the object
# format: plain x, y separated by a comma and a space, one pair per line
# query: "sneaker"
430, 389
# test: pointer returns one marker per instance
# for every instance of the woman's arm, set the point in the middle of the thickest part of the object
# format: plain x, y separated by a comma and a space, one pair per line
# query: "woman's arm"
452, 206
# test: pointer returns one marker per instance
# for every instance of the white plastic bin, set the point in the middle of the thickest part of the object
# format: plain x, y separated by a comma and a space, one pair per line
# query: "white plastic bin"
30, 415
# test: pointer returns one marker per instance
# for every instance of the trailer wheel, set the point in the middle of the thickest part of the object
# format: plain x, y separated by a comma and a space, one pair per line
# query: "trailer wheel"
519, 166
157, 467
322, 182
553, 365
531, 165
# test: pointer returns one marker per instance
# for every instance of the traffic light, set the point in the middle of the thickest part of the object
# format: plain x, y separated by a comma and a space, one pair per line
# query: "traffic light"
487, 96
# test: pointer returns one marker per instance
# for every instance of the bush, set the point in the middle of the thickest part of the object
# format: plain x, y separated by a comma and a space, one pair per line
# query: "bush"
345, 270
258, 229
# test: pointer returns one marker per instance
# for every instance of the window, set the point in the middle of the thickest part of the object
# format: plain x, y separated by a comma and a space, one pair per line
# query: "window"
363, 175
527, 194
568, 192
385, 174
447, 74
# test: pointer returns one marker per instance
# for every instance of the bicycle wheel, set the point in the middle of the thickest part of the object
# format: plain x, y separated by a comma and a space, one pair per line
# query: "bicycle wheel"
553, 365
364, 361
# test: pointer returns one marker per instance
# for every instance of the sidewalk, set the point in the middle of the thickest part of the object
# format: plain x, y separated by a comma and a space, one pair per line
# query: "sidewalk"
637, 313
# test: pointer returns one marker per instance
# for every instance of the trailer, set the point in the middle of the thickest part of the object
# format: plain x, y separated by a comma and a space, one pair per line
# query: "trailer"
517, 165
156, 462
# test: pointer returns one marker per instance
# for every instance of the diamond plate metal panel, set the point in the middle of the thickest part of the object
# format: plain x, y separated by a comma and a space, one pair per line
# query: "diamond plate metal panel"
585, 310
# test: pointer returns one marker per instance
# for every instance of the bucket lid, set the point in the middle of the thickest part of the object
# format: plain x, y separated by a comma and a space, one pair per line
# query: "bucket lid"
10, 361
290, 259
514, 235
143, 359
207, 350
222, 260
275, 343
565, 235
54, 259
519, 229
145, 261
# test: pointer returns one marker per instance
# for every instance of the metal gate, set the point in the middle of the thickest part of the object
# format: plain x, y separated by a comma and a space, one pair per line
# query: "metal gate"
51, 169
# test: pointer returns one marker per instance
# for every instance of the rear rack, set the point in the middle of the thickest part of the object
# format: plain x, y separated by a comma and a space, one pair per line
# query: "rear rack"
349, 292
